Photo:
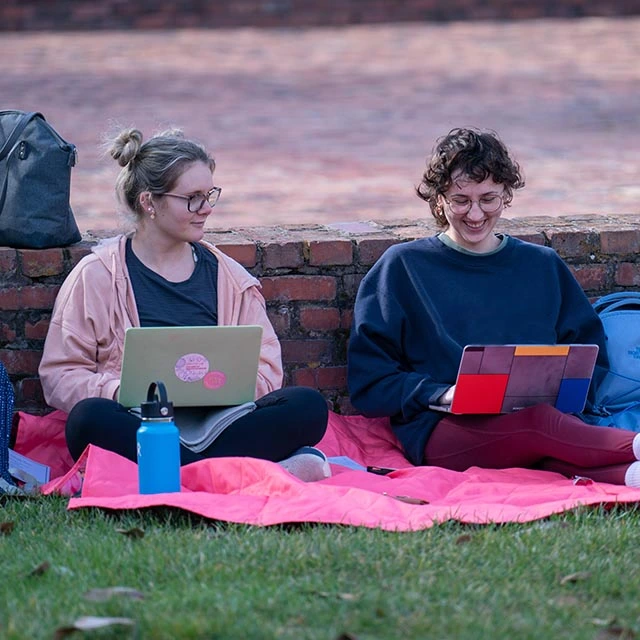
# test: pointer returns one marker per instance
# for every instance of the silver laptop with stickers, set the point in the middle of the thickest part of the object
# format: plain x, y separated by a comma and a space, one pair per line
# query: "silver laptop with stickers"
200, 366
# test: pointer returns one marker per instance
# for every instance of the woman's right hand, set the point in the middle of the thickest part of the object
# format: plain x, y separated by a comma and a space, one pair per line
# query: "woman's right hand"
447, 396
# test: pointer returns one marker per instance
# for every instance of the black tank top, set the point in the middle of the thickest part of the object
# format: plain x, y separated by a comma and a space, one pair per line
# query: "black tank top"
160, 303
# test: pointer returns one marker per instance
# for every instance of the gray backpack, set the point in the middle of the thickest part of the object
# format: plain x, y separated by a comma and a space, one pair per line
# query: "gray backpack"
35, 180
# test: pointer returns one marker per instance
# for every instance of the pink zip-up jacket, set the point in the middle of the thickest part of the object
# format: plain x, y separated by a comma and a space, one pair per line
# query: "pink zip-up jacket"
82, 354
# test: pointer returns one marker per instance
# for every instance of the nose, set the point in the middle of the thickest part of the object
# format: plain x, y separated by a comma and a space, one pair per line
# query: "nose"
205, 209
475, 212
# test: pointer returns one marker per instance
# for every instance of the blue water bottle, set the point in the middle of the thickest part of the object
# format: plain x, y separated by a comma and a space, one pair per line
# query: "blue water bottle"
158, 442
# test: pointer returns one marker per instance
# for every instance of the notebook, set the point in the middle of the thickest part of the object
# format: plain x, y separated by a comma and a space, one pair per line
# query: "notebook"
200, 366
506, 378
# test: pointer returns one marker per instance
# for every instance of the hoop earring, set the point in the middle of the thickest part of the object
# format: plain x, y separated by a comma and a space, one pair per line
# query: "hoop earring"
440, 217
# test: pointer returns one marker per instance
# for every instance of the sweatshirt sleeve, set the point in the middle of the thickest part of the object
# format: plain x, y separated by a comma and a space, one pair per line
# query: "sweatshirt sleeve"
241, 302
270, 373
577, 321
69, 370
380, 380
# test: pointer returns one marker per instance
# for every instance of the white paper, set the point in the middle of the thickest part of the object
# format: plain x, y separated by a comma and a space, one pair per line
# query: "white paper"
20, 463
345, 461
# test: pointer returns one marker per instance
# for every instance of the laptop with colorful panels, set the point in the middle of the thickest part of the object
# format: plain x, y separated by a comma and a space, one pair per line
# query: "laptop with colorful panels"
200, 366
495, 379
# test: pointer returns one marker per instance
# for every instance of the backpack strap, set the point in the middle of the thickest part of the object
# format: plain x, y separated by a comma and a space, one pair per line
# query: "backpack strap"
619, 300
622, 305
10, 142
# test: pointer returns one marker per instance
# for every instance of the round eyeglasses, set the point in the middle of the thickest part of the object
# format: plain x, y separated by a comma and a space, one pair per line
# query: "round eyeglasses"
197, 200
460, 205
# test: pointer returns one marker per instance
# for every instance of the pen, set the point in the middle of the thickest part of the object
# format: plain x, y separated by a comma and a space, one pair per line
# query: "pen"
407, 499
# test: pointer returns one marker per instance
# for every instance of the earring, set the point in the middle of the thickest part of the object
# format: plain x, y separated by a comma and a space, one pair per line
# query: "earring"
152, 212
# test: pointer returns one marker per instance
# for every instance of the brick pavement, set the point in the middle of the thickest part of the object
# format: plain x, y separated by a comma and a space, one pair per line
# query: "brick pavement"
333, 124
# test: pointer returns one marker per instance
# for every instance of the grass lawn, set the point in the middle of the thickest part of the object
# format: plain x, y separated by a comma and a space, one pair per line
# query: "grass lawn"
571, 576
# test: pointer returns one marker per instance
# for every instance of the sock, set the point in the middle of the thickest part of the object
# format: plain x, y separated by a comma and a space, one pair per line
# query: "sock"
632, 475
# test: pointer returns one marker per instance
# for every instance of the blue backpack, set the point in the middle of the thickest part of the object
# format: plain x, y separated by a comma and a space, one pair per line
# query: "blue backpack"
7, 485
617, 397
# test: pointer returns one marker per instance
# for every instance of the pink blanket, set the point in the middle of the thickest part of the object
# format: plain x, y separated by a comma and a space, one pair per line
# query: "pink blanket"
261, 493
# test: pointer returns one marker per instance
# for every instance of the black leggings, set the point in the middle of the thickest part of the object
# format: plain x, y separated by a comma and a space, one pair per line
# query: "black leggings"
283, 421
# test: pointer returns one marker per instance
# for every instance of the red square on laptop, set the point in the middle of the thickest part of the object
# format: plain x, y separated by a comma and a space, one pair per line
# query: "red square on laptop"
479, 393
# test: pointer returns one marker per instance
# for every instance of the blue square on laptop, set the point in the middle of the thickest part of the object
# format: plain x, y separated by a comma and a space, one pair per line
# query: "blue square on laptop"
572, 394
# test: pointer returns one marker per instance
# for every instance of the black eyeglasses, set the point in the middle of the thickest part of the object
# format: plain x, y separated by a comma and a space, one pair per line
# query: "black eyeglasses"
197, 200
460, 206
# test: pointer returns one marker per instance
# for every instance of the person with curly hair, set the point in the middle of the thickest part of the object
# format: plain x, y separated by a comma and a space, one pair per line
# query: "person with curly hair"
425, 300
164, 273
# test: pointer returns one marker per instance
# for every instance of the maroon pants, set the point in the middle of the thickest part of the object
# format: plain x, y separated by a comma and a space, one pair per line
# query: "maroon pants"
539, 437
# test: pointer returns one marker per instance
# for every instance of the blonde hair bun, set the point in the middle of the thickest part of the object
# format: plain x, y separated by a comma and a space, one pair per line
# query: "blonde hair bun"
126, 146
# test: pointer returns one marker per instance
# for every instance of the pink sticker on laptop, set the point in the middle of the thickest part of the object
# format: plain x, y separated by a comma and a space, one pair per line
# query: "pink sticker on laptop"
214, 380
191, 367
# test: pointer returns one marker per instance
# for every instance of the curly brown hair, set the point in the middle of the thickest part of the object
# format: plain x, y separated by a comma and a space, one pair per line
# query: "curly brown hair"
477, 154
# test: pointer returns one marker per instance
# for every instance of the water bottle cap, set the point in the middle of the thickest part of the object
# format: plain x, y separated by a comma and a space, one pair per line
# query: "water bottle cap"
156, 407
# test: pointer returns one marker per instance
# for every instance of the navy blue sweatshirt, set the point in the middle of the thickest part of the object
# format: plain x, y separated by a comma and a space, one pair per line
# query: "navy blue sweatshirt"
423, 302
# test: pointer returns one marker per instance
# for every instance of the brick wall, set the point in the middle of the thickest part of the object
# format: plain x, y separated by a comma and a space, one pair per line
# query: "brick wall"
159, 14
310, 275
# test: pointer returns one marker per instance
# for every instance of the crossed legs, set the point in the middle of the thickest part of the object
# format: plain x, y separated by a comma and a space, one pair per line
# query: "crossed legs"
538, 437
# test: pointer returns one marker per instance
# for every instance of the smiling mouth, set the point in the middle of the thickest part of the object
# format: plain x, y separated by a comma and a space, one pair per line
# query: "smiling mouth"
475, 225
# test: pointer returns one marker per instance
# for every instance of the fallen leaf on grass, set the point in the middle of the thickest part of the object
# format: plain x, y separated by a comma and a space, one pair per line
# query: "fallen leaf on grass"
602, 622
41, 569
7, 527
565, 601
89, 623
339, 596
347, 596
616, 631
136, 533
464, 538
101, 595
578, 576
